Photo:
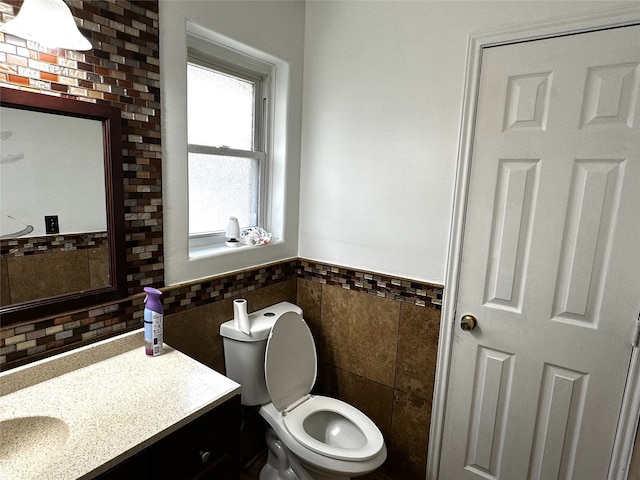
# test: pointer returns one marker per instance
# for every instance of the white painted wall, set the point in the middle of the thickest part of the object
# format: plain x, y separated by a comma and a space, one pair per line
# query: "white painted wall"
378, 113
383, 87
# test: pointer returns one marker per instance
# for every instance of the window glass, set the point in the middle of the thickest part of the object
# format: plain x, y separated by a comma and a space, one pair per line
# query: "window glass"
220, 109
224, 161
220, 187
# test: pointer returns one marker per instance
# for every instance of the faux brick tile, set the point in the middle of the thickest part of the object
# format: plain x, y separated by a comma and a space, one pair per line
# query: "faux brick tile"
18, 80
16, 60
51, 77
15, 339
45, 57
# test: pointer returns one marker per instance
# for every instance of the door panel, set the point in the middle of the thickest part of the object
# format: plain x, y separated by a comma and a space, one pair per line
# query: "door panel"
511, 233
593, 204
494, 371
550, 263
559, 416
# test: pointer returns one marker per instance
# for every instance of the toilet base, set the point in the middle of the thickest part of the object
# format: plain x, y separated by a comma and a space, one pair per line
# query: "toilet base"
278, 466
283, 465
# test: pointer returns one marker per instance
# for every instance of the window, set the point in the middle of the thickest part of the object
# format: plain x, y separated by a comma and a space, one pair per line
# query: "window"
227, 157
265, 173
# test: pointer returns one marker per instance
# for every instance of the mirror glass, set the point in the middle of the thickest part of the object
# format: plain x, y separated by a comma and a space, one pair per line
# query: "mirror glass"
48, 231
59, 221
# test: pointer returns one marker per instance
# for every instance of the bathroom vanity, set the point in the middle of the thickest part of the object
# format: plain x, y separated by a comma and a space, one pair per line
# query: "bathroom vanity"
109, 411
205, 448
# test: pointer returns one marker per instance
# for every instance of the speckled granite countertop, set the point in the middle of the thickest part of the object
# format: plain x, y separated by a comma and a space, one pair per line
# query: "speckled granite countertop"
92, 408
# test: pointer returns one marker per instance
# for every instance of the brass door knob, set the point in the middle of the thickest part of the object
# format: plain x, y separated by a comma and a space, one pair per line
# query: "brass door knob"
468, 323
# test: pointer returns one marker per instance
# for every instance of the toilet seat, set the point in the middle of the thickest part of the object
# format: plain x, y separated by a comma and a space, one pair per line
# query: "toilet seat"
372, 442
290, 362
290, 369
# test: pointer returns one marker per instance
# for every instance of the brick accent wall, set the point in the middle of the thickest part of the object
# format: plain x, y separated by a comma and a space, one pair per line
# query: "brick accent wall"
122, 70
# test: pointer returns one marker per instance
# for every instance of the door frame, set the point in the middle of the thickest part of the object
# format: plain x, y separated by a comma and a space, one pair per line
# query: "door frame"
630, 411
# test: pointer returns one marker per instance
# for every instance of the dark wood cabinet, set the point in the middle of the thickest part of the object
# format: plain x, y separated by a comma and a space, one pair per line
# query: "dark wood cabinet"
207, 448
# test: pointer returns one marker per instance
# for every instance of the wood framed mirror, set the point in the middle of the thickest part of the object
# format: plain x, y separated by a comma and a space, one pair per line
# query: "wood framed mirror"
62, 240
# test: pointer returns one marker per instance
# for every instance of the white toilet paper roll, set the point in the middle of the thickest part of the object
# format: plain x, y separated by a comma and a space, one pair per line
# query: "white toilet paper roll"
241, 316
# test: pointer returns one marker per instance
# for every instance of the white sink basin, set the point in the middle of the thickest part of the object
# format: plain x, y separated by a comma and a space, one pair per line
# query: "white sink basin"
29, 444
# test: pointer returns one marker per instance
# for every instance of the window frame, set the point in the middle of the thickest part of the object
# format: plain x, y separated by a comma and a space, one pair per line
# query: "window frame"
212, 56
284, 64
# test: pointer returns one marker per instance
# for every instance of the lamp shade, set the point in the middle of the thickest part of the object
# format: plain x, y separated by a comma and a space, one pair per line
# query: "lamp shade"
49, 23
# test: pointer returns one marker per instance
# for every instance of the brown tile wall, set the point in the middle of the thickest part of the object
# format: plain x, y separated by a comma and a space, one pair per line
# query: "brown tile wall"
377, 348
26, 342
196, 331
376, 345
24, 278
77, 262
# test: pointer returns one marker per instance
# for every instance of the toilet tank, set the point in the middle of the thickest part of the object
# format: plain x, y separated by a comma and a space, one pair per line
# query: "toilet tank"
244, 353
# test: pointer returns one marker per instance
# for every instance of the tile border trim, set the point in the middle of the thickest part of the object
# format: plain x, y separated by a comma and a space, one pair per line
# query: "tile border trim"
29, 341
396, 288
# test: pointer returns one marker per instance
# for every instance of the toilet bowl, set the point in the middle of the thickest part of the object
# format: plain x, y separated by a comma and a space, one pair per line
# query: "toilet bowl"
334, 428
339, 455
310, 437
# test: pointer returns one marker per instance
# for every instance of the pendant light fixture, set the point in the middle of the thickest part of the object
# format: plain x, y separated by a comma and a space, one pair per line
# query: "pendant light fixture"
49, 23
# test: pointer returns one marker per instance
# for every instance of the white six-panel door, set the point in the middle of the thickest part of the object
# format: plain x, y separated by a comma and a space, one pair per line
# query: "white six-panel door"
550, 263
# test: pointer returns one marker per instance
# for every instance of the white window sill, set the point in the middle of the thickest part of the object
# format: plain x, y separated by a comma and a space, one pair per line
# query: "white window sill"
220, 249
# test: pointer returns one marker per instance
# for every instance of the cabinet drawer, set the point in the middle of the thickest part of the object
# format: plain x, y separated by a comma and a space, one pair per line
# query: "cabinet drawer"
203, 448
134, 467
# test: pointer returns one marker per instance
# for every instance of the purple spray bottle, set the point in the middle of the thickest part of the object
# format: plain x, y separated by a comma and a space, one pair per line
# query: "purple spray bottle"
153, 318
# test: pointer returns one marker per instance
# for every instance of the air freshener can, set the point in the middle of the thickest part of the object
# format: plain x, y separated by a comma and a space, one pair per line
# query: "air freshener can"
153, 322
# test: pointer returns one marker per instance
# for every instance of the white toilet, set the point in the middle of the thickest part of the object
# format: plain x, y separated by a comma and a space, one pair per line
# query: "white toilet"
311, 437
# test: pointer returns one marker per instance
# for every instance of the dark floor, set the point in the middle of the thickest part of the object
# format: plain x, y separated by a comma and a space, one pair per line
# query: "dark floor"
252, 470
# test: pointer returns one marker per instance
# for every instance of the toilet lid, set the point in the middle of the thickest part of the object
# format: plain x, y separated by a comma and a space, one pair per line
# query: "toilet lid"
290, 362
